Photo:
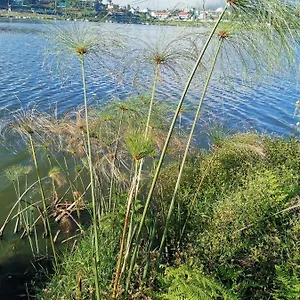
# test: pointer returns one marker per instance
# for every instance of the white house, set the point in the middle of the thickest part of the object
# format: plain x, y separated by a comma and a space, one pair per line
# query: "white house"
182, 15
160, 15
132, 10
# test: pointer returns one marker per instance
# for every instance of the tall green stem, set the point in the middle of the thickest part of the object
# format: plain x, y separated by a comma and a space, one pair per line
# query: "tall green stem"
195, 196
157, 68
113, 167
136, 183
95, 224
71, 186
8, 217
167, 143
166, 227
148, 260
95, 264
129, 204
43, 198
16, 228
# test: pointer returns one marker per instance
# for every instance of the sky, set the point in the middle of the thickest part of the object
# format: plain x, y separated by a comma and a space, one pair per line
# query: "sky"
170, 4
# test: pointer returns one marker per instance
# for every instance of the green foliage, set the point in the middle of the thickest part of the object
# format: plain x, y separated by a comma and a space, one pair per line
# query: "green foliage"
139, 145
289, 283
282, 152
74, 277
242, 229
185, 283
240, 202
242, 216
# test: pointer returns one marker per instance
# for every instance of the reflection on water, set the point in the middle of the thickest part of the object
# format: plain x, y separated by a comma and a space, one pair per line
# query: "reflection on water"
266, 106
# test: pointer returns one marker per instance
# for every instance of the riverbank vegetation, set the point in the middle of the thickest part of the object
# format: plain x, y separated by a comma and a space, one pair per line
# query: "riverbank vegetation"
152, 215
233, 234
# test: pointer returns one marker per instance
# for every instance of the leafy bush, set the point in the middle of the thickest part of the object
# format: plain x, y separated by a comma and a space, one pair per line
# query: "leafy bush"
288, 281
185, 283
246, 214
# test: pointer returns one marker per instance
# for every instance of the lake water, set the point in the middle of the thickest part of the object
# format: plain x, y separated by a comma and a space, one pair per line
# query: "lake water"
265, 105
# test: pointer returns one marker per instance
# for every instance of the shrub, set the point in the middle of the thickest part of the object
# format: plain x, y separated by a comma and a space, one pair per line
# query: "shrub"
187, 283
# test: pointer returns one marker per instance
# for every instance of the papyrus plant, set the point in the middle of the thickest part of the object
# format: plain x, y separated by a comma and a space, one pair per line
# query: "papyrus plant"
276, 22
80, 42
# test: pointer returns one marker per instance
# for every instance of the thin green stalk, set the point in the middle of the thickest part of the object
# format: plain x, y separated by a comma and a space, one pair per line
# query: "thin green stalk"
24, 209
43, 198
23, 218
96, 279
127, 252
195, 196
157, 68
36, 239
15, 205
152, 235
71, 186
132, 226
27, 230
26, 204
128, 210
166, 227
54, 192
113, 167
95, 223
16, 228
131, 223
167, 143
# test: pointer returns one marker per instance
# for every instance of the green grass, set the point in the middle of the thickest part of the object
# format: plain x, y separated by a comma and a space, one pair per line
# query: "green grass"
74, 278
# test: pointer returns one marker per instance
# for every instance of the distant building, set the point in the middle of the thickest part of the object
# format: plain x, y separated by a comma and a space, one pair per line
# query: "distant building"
202, 15
160, 15
182, 15
110, 5
132, 10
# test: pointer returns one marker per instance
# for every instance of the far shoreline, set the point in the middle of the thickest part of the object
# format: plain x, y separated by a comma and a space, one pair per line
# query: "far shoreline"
16, 15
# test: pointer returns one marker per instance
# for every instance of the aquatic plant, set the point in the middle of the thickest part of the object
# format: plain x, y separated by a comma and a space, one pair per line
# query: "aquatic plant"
256, 12
26, 126
169, 57
162, 156
81, 41
221, 36
140, 146
242, 42
219, 254
14, 174
42, 192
